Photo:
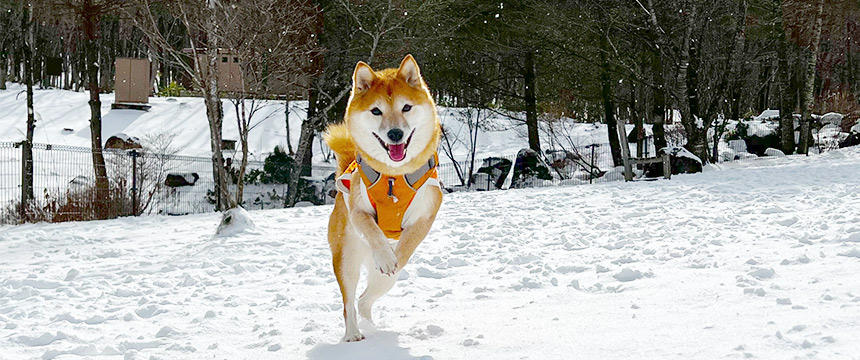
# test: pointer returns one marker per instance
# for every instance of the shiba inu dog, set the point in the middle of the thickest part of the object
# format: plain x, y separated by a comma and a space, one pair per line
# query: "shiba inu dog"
388, 188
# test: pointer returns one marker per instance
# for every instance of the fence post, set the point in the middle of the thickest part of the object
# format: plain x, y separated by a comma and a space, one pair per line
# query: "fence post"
134, 204
667, 166
591, 170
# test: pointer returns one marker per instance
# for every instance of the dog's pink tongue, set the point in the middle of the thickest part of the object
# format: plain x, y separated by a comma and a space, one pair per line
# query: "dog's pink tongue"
397, 152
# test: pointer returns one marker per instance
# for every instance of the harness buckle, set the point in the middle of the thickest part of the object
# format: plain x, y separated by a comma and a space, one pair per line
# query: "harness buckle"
391, 190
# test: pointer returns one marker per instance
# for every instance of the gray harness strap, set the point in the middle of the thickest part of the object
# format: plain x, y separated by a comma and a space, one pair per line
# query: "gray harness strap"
410, 178
368, 171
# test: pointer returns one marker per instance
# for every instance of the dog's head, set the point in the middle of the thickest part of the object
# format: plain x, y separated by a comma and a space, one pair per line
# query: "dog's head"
392, 117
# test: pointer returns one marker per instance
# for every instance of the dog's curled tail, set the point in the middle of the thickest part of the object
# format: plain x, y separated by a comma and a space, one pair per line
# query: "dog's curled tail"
338, 139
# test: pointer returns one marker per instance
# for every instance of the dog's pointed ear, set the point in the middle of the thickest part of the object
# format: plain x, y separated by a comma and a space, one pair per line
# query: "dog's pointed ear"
362, 77
409, 71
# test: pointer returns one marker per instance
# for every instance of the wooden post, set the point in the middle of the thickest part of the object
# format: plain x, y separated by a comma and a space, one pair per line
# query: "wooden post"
625, 150
667, 167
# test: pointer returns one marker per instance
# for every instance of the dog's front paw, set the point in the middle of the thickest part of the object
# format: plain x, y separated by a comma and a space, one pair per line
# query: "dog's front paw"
385, 260
357, 336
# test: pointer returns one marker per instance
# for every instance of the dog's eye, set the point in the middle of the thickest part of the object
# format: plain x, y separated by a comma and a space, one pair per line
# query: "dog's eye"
407, 107
376, 111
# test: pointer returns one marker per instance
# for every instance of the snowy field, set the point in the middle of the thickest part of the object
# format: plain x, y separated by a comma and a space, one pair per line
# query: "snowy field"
756, 260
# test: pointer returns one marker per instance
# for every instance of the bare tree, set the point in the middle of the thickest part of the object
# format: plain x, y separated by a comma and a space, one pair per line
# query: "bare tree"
810, 57
27, 144
272, 55
474, 119
87, 15
201, 21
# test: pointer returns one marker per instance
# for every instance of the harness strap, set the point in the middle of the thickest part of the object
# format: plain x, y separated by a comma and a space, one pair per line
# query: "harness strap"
415, 176
370, 173
373, 176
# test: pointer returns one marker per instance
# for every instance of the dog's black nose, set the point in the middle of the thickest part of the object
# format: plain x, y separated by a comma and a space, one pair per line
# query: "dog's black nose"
395, 134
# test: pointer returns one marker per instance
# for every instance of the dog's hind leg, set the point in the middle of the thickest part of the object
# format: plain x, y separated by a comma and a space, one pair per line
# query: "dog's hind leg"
347, 255
377, 285
348, 269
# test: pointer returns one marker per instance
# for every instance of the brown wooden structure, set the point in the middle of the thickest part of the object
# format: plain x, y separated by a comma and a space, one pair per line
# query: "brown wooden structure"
132, 84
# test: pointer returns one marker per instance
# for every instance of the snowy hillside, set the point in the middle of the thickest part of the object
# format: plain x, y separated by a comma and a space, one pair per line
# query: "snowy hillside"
185, 117
759, 260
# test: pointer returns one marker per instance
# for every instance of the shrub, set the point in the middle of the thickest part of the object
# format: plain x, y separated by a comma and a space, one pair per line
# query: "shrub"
276, 169
172, 89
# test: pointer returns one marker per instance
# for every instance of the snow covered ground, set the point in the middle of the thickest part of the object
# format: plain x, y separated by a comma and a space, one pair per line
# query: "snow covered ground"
759, 259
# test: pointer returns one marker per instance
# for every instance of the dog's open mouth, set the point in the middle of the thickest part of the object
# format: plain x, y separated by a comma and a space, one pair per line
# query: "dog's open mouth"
396, 152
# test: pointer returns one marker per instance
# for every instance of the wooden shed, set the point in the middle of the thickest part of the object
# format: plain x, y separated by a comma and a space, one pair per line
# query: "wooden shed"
133, 82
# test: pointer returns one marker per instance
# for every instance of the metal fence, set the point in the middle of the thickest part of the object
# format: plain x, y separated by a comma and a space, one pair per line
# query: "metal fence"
142, 182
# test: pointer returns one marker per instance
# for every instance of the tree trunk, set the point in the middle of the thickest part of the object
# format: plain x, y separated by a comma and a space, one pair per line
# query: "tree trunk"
658, 112
102, 191
304, 151
606, 95
531, 101
688, 91
786, 119
215, 111
27, 145
737, 61
807, 99
638, 124
239, 107
3, 67
287, 122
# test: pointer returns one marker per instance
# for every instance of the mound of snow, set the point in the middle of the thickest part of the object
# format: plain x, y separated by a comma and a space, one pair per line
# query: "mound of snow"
831, 118
235, 221
768, 114
774, 152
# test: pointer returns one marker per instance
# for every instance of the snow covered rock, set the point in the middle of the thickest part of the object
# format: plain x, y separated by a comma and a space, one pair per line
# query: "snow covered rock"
769, 114
681, 160
313, 190
123, 142
496, 169
851, 140
329, 189
851, 122
529, 170
235, 221
761, 141
831, 118
181, 179
774, 152
481, 182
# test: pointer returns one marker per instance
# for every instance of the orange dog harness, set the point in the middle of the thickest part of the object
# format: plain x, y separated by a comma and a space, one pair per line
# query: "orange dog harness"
389, 195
